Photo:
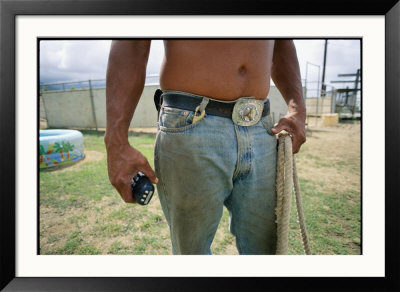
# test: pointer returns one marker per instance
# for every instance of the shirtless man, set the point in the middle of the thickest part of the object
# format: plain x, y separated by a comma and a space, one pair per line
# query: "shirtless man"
215, 144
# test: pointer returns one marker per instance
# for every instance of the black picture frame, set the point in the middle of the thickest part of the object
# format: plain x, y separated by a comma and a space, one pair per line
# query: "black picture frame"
10, 9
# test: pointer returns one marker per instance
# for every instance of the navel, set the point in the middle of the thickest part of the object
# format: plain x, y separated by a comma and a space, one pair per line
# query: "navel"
242, 70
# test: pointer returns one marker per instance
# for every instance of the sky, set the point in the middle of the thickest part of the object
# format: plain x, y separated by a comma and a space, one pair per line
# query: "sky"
77, 60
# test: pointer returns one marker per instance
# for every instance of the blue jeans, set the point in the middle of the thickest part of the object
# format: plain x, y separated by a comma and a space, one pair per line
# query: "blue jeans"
213, 163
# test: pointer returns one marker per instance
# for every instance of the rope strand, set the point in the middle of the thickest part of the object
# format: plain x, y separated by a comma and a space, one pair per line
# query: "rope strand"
285, 180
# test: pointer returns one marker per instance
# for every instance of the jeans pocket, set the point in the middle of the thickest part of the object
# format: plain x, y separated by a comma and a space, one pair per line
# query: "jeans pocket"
267, 123
175, 120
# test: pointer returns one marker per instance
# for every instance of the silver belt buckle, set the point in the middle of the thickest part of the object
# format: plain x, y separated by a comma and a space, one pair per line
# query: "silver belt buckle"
247, 111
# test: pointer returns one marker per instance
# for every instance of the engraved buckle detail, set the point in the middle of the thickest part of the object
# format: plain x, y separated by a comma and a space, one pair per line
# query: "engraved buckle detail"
247, 111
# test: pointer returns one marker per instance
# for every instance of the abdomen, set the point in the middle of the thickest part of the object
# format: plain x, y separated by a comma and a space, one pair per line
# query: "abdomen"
220, 69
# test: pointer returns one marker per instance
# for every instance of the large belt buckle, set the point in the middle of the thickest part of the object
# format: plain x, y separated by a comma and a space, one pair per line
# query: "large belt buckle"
247, 111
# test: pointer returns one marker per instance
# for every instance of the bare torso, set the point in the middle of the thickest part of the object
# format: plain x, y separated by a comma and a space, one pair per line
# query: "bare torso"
220, 69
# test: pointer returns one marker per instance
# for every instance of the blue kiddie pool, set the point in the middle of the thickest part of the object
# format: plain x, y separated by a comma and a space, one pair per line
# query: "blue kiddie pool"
60, 147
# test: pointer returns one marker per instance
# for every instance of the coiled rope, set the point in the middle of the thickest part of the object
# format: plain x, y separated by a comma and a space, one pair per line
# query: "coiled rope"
286, 179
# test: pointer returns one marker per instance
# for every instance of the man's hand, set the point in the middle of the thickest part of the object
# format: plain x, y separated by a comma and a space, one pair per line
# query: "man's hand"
124, 162
294, 124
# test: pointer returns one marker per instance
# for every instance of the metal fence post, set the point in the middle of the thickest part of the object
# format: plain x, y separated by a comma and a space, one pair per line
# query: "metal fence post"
333, 101
322, 105
92, 102
305, 81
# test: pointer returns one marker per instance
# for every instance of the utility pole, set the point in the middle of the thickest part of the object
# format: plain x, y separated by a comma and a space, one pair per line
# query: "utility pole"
92, 103
323, 87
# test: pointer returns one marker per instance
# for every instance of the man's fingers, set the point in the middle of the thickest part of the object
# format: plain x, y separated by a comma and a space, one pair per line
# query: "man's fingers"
123, 184
294, 129
149, 172
123, 164
126, 193
144, 167
282, 127
295, 145
276, 129
279, 128
298, 139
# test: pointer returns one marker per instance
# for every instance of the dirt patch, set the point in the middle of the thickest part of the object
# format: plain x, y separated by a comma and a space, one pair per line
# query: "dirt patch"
91, 155
332, 157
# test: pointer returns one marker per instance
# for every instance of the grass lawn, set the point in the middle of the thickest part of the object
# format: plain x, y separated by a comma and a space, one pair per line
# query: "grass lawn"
81, 213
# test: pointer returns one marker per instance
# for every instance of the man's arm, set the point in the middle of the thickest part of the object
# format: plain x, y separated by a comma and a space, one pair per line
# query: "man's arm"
286, 76
126, 73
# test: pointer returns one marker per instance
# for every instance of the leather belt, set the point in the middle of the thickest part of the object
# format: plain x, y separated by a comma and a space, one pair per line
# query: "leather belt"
216, 108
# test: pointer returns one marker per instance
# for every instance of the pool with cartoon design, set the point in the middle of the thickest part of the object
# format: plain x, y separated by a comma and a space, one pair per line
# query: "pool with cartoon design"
60, 147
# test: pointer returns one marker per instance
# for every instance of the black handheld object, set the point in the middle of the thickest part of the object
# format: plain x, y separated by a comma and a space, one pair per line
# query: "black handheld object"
142, 189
